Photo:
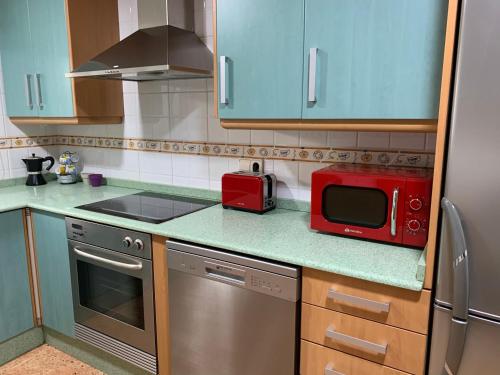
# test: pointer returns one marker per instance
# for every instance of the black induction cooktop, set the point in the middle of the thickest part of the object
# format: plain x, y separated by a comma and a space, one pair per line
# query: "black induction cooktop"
149, 207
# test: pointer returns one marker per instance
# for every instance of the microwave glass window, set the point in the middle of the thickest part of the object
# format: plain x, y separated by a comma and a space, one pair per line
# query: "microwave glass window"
352, 205
111, 293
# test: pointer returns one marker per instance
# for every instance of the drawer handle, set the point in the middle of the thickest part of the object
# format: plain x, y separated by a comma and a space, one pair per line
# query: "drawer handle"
354, 341
359, 301
329, 370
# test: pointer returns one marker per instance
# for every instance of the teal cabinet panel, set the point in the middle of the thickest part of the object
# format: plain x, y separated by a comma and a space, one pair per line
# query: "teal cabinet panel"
53, 92
17, 58
262, 41
53, 271
377, 59
16, 310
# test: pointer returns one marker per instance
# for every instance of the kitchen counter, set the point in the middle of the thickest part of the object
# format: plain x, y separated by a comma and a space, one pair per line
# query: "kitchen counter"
281, 234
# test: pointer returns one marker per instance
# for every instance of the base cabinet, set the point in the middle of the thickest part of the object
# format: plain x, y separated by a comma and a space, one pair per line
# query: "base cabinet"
53, 272
16, 310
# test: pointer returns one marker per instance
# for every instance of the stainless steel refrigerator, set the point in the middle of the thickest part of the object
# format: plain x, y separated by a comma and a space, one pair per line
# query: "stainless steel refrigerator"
466, 325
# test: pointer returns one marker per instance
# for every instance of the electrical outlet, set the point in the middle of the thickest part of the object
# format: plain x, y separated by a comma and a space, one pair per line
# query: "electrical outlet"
251, 165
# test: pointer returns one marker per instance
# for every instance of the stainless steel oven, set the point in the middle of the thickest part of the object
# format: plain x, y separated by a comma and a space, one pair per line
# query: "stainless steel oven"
112, 282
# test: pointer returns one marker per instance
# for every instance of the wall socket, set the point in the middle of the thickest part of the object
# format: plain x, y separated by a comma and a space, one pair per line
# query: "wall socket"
251, 165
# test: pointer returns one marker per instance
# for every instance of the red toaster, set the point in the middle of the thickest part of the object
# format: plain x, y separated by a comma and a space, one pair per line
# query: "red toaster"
249, 191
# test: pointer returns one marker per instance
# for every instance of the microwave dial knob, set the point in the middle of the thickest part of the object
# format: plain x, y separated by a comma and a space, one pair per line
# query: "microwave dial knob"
139, 245
127, 242
416, 204
414, 225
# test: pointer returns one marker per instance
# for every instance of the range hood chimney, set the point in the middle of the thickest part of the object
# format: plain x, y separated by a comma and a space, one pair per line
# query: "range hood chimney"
165, 47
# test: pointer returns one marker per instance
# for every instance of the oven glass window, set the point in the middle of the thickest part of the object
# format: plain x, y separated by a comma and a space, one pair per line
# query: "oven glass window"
352, 205
112, 293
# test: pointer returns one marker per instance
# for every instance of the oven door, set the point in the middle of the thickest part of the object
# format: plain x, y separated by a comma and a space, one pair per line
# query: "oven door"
112, 294
359, 206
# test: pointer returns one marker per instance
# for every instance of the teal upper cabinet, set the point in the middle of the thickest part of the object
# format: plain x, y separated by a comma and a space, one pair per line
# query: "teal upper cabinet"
41, 41
17, 58
34, 46
53, 271
260, 45
376, 59
16, 311
53, 94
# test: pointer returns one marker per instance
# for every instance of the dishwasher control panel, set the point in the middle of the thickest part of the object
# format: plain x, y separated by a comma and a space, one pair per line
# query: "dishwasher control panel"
237, 275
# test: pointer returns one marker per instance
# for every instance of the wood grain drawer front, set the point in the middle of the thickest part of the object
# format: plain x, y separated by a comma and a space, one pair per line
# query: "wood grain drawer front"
381, 303
390, 346
319, 360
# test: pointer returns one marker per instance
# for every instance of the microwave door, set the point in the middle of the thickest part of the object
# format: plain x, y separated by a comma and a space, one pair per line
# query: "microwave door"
366, 212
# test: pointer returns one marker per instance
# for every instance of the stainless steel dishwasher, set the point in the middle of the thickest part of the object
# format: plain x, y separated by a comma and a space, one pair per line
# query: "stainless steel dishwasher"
231, 314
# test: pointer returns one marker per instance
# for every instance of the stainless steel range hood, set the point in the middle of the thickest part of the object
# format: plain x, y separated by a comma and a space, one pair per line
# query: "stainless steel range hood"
165, 47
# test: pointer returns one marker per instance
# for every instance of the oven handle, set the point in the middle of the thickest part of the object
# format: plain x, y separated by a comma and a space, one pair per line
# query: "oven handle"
394, 212
137, 266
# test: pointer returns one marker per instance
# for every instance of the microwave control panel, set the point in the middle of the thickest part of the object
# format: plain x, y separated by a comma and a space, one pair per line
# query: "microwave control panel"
417, 210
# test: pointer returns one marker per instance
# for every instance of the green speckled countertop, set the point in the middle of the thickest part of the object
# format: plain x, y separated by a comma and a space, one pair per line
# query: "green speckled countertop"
281, 234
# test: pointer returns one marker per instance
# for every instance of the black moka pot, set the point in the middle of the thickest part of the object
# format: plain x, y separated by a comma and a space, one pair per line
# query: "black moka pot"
34, 165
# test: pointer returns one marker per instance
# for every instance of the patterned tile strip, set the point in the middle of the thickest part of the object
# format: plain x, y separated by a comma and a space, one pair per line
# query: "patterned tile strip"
305, 154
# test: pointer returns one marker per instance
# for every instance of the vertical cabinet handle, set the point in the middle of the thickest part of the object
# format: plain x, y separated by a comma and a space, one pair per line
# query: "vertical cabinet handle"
27, 91
313, 57
222, 80
330, 370
38, 91
352, 341
394, 212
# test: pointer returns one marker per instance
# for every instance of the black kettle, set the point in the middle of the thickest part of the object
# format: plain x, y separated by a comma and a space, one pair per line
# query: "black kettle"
34, 165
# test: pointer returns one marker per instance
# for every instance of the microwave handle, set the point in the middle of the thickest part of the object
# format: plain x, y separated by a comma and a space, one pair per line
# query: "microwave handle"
394, 211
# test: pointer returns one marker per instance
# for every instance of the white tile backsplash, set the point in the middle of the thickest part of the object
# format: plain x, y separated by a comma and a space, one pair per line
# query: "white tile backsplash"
342, 139
184, 110
373, 140
313, 139
407, 141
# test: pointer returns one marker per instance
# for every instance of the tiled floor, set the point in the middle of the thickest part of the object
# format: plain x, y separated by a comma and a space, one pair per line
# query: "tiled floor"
46, 360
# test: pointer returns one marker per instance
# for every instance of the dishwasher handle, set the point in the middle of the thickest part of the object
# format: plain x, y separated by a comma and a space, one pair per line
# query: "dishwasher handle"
224, 273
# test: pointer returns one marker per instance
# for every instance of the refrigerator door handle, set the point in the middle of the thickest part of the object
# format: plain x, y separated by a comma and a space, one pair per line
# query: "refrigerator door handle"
458, 331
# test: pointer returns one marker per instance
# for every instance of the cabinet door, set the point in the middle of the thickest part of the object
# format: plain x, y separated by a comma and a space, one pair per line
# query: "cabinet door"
16, 311
262, 41
53, 271
17, 58
53, 92
377, 59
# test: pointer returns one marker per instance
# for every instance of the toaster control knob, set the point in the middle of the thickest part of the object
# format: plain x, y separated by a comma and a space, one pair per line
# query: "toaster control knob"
414, 225
416, 204
127, 242
139, 245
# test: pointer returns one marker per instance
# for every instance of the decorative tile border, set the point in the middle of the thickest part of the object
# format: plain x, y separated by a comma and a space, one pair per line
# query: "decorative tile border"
304, 154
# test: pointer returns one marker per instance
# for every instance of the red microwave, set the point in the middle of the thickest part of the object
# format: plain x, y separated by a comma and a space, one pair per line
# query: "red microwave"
378, 203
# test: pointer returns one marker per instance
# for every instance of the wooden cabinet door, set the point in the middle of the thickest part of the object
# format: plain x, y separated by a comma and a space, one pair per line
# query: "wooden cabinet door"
53, 271
17, 58
376, 59
262, 42
16, 310
53, 92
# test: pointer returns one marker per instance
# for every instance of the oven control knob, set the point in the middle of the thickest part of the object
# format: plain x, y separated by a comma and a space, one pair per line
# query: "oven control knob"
139, 245
414, 225
416, 204
127, 242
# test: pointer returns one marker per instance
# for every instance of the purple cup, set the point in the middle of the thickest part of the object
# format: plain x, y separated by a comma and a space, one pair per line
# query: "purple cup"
95, 179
